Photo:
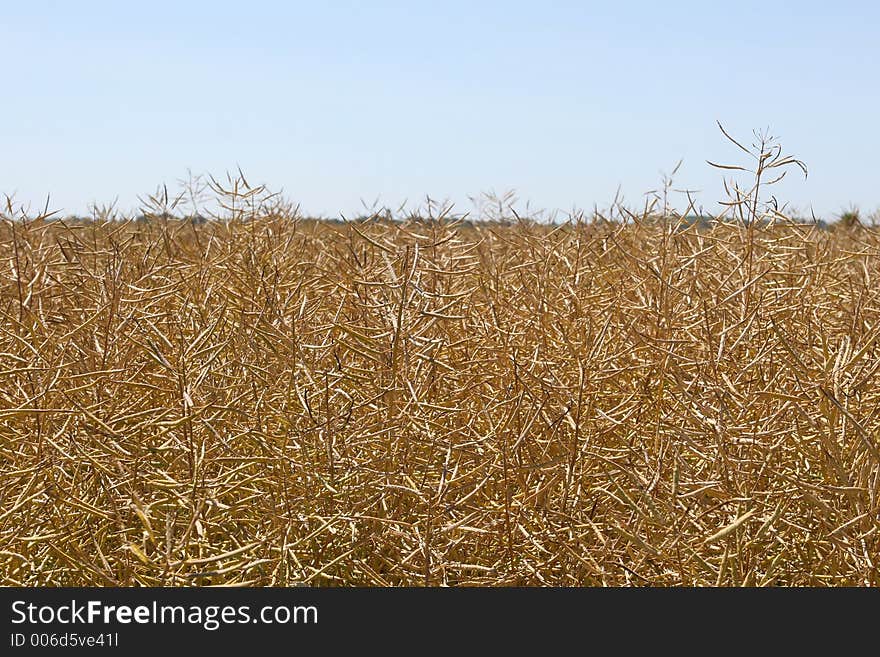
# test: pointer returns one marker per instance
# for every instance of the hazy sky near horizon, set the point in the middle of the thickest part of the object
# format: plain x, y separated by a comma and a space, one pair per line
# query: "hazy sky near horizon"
340, 102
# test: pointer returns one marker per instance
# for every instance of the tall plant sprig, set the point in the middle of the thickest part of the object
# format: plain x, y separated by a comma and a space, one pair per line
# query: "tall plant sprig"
769, 160
770, 166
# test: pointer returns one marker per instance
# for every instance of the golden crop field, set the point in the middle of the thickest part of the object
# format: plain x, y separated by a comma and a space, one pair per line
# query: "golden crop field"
277, 401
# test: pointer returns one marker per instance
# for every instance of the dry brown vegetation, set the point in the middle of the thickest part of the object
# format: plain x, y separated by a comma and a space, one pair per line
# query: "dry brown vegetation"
273, 401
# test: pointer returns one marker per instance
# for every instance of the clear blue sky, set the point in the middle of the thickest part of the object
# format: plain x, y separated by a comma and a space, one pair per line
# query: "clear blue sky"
340, 101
